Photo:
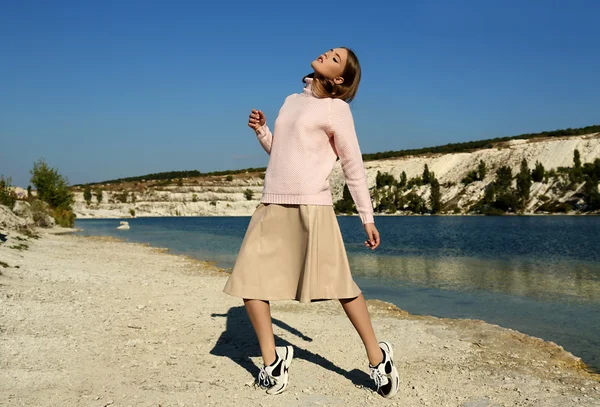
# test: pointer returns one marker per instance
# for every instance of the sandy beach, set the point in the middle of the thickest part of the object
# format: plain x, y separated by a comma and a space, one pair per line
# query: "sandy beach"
99, 322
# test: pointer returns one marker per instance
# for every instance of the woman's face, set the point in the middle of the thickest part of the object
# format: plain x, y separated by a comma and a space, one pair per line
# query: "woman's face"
331, 64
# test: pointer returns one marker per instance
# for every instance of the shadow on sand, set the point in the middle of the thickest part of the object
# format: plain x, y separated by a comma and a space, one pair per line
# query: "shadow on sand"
238, 342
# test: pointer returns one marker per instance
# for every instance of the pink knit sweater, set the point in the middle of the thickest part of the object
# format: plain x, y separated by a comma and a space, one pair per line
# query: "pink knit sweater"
309, 134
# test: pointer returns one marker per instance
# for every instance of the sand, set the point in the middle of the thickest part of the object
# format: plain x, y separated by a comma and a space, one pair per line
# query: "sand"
99, 322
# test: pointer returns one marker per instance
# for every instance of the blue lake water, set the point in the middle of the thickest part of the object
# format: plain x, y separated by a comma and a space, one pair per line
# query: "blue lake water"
536, 274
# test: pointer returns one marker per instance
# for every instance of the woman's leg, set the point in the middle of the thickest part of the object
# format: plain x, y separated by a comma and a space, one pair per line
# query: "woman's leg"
259, 312
356, 309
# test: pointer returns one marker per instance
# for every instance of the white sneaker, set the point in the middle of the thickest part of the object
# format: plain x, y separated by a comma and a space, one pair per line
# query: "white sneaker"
385, 374
274, 378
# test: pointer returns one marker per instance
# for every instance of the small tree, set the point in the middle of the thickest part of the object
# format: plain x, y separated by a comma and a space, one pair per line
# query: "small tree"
523, 184
122, 197
426, 175
383, 179
490, 194
229, 178
591, 194
481, 170
503, 178
346, 204
576, 159
7, 195
416, 181
415, 203
435, 199
248, 193
52, 187
537, 174
99, 196
403, 180
576, 172
87, 194
132, 212
29, 195
470, 177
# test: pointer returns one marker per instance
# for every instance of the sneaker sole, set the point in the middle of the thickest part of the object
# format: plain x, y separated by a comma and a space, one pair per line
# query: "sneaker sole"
287, 361
394, 373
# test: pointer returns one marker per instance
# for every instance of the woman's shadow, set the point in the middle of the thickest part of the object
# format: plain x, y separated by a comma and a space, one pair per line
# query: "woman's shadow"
238, 342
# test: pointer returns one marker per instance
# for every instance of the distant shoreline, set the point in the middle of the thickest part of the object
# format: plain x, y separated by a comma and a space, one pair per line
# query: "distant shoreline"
356, 215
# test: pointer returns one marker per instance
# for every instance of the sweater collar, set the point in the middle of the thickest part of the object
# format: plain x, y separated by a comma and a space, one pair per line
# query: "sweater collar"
308, 90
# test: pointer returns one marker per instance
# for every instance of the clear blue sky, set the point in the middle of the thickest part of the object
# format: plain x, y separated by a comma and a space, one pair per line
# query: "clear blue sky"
109, 89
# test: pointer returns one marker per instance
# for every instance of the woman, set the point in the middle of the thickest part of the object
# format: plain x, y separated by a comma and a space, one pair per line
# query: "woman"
293, 248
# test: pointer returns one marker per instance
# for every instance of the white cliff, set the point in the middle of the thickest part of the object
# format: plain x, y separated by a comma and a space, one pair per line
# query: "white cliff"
216, 196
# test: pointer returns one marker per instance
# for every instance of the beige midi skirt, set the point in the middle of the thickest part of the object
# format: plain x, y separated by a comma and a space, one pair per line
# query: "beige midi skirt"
292, 252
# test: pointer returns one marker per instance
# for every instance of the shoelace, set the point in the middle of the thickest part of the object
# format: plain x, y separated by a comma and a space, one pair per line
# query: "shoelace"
378, 377
263, 378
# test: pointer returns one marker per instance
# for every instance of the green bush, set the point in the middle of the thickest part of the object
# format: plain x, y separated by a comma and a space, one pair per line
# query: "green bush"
229, 178
87, 194
416, 181
591, 194
98, 193
435, 199
194, 197
426, 175
491, 211
213, 203
132, 212
470, 177
248, 193
416, 203
537, 174
52, 187
122, 197
7, 195
523, 184
403, 180
383, 179
555, 207
481, 170
63, 217
503, 178
346, 204
592, 169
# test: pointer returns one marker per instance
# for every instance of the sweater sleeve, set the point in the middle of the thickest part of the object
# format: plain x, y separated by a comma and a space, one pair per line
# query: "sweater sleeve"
265, 137
347, 147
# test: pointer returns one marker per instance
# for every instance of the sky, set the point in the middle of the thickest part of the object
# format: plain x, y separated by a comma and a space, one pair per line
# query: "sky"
110, 89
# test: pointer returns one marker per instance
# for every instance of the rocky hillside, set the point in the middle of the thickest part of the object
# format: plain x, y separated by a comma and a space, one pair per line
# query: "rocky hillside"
238, 195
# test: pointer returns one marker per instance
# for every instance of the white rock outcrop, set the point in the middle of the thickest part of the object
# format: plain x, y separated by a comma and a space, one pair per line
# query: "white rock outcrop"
8, 220
219, 197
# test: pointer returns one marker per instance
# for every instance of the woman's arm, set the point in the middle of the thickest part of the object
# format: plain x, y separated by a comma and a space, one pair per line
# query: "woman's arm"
265, 137
346, 144
258, 122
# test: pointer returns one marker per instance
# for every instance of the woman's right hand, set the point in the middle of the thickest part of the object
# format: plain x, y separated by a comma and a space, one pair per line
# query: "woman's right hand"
256, 120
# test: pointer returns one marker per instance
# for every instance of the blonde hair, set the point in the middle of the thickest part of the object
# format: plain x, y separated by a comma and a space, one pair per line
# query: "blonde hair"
346, 91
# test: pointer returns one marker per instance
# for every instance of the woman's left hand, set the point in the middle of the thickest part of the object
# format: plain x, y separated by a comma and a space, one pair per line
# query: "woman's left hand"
372, 236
